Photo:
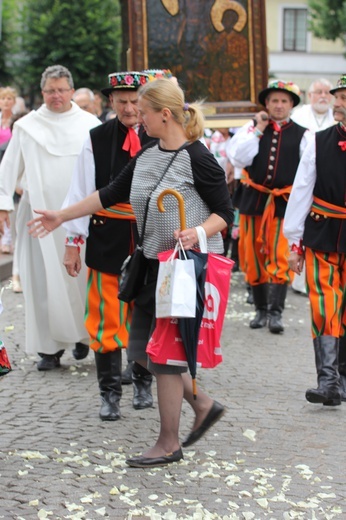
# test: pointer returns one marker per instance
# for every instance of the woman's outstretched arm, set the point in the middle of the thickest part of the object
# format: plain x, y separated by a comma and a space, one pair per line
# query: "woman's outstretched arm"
49, 219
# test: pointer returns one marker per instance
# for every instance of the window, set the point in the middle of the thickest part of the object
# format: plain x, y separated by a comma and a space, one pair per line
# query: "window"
295, 29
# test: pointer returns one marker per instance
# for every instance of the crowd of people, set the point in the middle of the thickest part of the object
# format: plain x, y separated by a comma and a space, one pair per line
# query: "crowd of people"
260, 192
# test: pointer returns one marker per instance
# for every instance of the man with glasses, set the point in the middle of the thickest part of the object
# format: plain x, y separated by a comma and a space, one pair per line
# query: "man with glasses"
318, 114
41, 155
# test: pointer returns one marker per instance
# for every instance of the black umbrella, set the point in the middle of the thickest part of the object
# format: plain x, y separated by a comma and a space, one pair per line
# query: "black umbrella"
189, 327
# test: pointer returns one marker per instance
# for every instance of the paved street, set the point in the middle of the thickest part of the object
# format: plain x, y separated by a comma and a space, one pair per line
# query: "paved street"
272, 456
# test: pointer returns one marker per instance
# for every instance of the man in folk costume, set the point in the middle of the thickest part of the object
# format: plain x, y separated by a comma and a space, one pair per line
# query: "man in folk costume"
315, 225
316, 115
268, 149
41, 155
110, 237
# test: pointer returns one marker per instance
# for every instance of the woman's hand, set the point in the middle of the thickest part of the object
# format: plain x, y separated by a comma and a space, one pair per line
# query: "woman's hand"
188, 237
48, 221
296, 262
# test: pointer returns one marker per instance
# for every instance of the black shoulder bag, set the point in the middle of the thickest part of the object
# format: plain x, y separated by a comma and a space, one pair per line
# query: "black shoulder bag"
134, 268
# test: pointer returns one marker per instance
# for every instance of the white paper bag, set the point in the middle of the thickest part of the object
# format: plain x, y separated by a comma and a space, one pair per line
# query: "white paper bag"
176, 287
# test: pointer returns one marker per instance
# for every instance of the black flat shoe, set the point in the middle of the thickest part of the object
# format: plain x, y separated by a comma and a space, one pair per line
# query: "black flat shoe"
49, 361
153, 462
215, 413
80, 352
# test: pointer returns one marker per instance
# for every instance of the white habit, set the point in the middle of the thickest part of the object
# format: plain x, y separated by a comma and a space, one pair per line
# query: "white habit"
305, 116
42, 154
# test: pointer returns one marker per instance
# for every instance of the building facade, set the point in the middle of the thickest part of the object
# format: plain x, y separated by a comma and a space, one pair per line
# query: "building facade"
293, 52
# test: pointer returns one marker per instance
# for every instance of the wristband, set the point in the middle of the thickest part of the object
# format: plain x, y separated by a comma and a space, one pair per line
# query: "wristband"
74, 242
297, 249
257, 132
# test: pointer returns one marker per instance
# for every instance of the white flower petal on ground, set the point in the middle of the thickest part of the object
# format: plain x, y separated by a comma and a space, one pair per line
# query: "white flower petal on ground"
73, 507
87, 499
262, 502
231, 480
32, 455
326, 495
233, 505
244, 493
44, 514
304, 471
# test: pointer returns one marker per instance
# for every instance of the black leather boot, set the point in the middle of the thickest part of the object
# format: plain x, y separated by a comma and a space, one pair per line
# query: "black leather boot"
260, 299
342, 367
249, 298
142, 380
108, 367
126, 375
80, 351
326, 359
277, 297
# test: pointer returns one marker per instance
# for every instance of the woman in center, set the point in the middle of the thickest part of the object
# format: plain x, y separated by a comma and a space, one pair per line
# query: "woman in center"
195, 173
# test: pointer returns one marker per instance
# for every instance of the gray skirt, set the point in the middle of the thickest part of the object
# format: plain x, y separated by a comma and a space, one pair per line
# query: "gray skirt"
143, 324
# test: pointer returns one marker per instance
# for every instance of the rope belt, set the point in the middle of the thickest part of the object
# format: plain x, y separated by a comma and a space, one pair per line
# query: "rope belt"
269, 210
326, 209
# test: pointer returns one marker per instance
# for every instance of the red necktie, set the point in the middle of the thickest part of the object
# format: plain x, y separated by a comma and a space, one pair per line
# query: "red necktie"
275, 125
132, 143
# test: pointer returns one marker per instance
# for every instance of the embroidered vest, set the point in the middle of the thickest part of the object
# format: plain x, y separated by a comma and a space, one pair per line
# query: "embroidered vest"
110, 240
274, 166
324, 233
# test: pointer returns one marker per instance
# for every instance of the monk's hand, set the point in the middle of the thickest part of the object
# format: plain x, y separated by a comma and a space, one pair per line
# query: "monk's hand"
48, 220
72, 260
4, 217
296, 262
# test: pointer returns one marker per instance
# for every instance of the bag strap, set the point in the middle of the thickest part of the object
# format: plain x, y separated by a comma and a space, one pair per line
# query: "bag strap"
202, 239
141, 237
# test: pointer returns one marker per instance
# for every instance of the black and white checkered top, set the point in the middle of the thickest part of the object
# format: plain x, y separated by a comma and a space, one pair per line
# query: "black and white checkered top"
194, 173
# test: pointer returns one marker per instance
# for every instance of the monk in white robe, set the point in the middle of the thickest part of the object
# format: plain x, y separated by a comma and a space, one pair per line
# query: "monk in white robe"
42, 155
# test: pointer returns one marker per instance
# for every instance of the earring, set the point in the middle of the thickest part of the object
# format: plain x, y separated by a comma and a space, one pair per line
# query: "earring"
164, 120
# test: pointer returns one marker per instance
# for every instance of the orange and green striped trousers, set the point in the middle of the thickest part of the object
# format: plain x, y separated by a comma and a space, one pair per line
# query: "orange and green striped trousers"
259, 266
326, 287
107, 319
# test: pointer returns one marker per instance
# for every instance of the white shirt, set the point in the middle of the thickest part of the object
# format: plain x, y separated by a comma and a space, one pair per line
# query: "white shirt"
301, 196
244, 146
82, 184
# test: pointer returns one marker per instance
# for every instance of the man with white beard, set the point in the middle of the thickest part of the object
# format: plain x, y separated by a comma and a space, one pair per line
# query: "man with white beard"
318, 114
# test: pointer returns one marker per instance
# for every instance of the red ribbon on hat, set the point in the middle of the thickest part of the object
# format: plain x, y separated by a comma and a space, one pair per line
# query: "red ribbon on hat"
132, 143
342, 145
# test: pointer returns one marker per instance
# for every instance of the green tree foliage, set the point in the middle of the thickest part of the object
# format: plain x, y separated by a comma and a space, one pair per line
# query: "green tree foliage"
9, 44
328, 19
83, 35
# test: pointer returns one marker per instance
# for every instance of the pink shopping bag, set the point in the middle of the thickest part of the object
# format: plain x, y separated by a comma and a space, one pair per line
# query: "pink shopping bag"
165, 345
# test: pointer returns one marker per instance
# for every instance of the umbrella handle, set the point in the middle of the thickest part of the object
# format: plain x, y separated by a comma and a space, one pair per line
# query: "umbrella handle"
181, 203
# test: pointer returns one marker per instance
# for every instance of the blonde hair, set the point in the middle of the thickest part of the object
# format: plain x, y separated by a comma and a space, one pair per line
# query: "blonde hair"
164, 93
8, 91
